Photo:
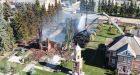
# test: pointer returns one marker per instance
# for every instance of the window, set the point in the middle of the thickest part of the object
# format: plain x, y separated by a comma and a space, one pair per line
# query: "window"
129, 60
138, 58
114, 54
113, 61
137, 66
120, 58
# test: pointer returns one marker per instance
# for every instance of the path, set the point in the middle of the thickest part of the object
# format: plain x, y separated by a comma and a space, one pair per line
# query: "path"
31, 66
7, 54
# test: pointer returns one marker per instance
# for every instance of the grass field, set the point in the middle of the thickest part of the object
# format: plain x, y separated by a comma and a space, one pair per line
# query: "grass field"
101, 36
40, 72
6, 65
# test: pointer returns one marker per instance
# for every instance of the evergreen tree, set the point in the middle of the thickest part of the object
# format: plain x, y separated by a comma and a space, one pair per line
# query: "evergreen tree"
135, 8
127, 9
138, 12
112, 6
32, 22
6, 38
99, 6
103, 6
37, 11
93, 5
16, 33
122, 9
21, 25
131, 8
83, 5
116, 8
6, 10
56, 4
109, 7
37, 7
43, 11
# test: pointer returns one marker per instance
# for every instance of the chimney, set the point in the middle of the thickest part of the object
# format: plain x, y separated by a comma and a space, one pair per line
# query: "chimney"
49, 45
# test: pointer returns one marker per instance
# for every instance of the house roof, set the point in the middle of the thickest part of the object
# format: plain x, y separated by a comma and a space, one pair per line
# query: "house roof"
126, 50
130, 43
135, 32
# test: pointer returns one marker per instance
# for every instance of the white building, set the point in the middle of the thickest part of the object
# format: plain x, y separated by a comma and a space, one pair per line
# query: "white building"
77, 61
46, 2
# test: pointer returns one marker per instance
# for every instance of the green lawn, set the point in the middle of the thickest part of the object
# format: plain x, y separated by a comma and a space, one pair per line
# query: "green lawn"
5, 66
89, 70
40, 72
101, 36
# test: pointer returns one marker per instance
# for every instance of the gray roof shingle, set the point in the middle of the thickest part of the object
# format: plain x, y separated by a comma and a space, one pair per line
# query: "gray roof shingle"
132, 41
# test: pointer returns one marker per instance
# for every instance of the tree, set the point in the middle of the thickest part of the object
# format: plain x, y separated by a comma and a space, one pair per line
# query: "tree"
37, 7
43, 13
16, 33
123, 9
131, 9
6, 38
116, 9
102, 6
135, 7
90, 5
83, 5
105, 6
93, 5
138, 12
37, 11
109, 7
99, 6
30, 17
126, 9
32, 22
112, 8
56, 4
6, 10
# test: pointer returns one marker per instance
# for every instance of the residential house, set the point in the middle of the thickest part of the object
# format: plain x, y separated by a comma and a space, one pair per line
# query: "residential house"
124, 54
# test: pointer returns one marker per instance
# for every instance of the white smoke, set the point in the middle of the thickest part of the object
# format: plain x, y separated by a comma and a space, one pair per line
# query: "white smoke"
81, 25
56, 31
